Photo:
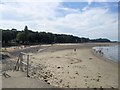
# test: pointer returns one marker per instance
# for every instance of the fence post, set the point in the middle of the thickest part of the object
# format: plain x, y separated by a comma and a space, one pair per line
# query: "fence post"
16, 66
27, 65
21, 62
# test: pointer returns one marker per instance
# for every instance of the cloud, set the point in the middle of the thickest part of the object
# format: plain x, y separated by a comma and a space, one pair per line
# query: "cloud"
54, 17
93, 23
31, 1
28, 10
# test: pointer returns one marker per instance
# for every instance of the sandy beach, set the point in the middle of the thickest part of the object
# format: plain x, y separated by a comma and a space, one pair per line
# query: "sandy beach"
72, 66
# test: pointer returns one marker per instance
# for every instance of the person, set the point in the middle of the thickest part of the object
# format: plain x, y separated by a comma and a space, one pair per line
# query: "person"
74, 50
100, 51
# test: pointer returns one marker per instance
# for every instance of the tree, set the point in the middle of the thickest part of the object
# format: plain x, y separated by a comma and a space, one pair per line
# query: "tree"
21, 37
7, 36
100, 40
26, 33
27, 36
26, 29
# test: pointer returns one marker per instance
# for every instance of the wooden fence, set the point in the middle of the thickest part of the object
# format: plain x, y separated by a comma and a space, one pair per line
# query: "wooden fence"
22, 63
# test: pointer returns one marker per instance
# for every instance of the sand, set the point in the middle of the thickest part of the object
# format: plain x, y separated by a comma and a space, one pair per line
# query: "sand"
19, 80
70, 69
62, 66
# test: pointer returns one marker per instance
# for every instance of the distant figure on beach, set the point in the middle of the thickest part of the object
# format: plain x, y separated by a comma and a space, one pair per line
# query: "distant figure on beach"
100, 51
74, 50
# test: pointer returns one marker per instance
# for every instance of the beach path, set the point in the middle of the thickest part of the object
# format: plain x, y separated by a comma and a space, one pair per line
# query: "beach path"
19, 80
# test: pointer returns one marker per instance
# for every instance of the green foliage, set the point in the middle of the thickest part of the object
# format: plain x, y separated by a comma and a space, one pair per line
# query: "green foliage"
21, 37
8, 35
100, 40
26, 29
27, 36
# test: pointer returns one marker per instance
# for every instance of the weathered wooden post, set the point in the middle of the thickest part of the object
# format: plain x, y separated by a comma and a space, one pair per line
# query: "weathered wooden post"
21, 62
27, 65
17, 66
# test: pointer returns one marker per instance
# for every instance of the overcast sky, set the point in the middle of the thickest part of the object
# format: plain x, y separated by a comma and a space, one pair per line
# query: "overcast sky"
91, 18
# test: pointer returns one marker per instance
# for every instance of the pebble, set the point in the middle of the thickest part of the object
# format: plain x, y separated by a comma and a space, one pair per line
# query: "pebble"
98, 80
45, 80
77, 73
48, 83
90, 58
58, 67
60, 80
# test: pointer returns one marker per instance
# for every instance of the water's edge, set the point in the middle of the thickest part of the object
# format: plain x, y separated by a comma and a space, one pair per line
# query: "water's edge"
108, 52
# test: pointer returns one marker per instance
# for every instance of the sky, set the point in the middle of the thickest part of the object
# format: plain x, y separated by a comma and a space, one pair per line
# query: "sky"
84, 18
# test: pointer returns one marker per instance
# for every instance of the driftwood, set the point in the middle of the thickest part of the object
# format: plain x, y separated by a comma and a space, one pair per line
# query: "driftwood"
5, 75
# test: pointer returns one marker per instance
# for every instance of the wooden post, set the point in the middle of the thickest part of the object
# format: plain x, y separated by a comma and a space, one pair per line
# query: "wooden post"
21, 63
16, 66
27, 65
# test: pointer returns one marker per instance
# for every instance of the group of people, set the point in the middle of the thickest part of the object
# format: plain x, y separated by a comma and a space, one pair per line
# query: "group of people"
99, 51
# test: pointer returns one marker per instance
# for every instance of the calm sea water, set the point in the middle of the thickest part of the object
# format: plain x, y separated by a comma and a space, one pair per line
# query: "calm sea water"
110, 52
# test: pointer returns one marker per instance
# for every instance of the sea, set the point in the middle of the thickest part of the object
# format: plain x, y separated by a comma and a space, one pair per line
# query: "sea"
109, 52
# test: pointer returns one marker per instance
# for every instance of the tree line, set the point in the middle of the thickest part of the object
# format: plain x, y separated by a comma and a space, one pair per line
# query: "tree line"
27, 36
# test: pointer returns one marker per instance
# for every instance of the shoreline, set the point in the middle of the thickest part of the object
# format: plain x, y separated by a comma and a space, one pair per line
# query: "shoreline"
85, 69
103, 58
